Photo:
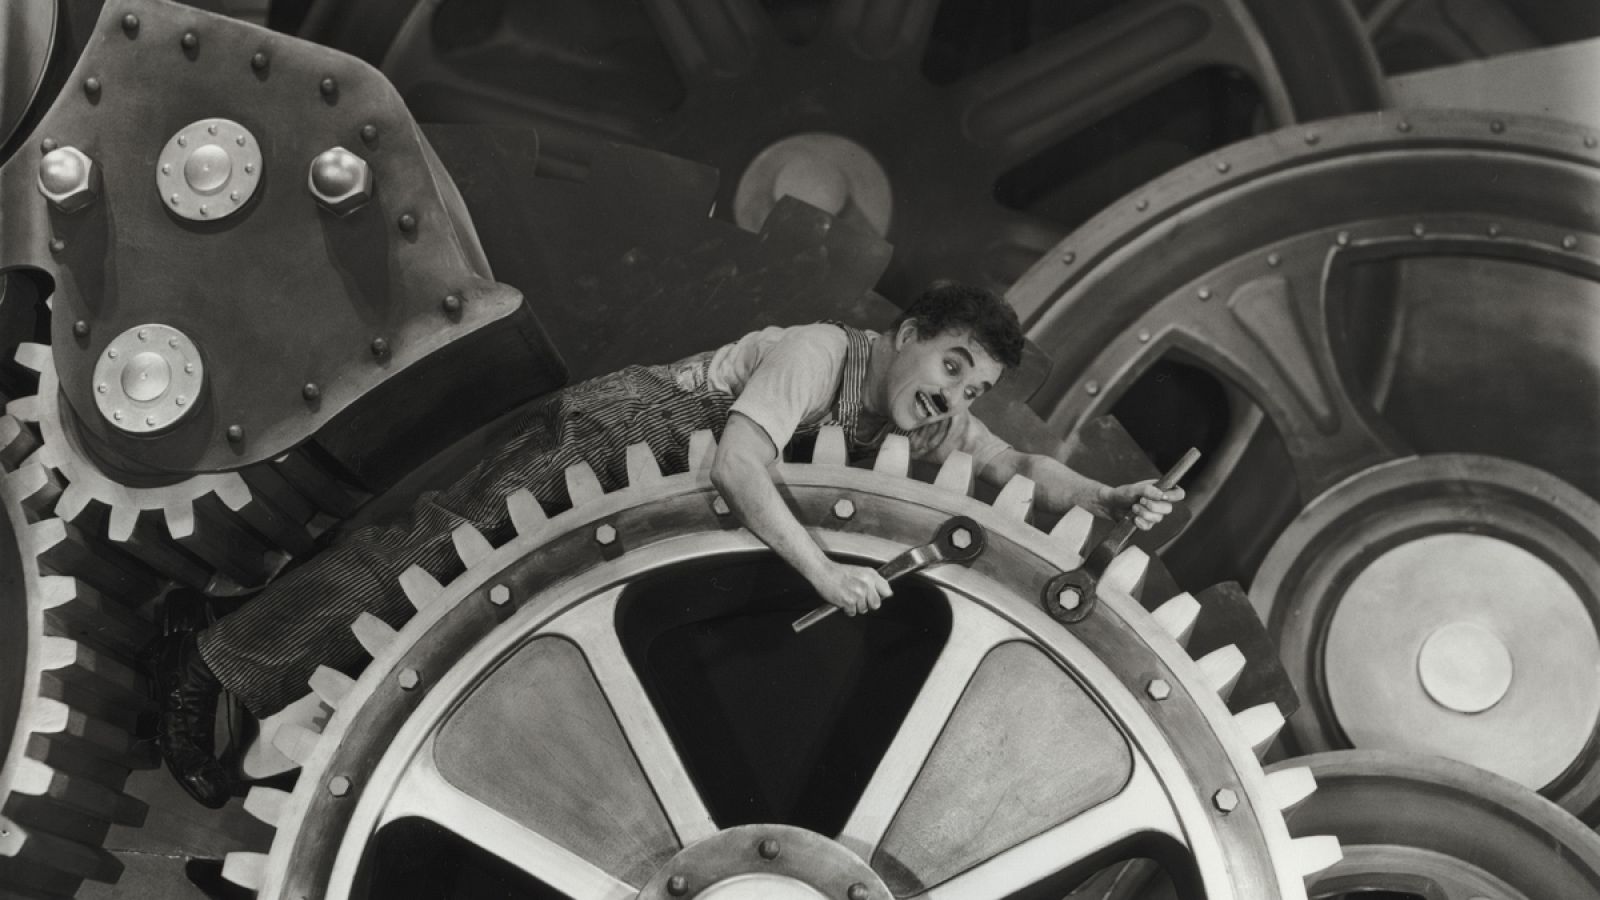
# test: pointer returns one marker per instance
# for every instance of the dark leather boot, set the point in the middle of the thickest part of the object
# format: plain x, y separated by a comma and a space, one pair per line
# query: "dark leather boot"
187, 693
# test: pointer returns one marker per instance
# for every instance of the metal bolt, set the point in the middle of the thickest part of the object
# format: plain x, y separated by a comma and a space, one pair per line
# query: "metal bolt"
183, 140
1342, 239
409, 678
1418, 230
339, 785
340, 180
259, 60
205, 210
369, 133
1144, 335
1274, 259
143, 334
1204, 293
68, 178
452, 305
311, 391
234, 196
91, 86
1070, 598
190, 40
1069, 257
149, 420
130, 24
1142, 205
1223, 167
1404, 125
677, 885
961, 538
380, 347
235, 433
111, 353
1497, 126
720, 506
249, 168
1494, 230
181, 400
1312, 137
407, 223
605, 535
48, 144
57, 245
1569, 242
188, 368
768, 848
176, 199
329, 87
857, 891
499, 595
1092, 387
844, 508
117, 415
1225, 800
80, 328
1158, 689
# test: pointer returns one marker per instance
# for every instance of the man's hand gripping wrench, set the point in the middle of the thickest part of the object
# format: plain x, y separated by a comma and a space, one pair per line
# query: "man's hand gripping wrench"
959, 540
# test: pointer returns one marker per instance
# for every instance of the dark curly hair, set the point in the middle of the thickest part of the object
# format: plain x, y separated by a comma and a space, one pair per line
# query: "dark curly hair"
951, 306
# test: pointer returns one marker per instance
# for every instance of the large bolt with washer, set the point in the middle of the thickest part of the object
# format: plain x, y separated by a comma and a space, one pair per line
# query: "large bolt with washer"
340, 180
69, 179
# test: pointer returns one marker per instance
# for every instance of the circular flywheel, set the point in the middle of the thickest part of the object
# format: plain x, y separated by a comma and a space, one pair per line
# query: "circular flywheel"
613, 704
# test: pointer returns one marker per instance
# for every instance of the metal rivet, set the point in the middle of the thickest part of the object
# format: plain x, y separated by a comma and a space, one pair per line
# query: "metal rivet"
235, 433
857, 891
452, 305
188, 368
720, 506
1204, 293
130, 24
961, 538
677, 885
1225, 800
205, 210
1404, 125
1312, 137
259, 60
1069, 257
144, 334
380, 347
1494, 230
329, 87
150, 420
1142, 205
183, 140
1144, 336
1223, 167
409, 678
768, 848
117, 415
369, 133
1569, 242
311, 391
234, 196
212, 128
407, 223
339, 785
844, 508
1497, 126
57, 245
190, 40
1590, 141
1158, 689
91, 85
1092, 387
166, 168
1342, 239
605, 535
249, 167
499, 595
1418, 230
100, 388
182, 400
176, 199
1274, 259
111, 353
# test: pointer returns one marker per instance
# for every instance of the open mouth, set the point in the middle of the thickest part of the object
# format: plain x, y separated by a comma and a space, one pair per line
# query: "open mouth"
930, 406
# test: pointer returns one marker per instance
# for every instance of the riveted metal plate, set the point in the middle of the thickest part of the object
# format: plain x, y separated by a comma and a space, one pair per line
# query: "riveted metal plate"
209, 169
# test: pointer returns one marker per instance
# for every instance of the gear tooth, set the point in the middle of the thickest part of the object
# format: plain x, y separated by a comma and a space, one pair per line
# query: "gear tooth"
830, 448
48, 716
331, 685
582, 485
1316, 852
180, 518
1290, 787
32, 777
1126, 570
894, 456
35, 356
246, 869
373, 634
12, 837
265, 803
17, 442
1072, 530
72, 503
1222, 668
1016, 498
123, 520
232, 490
470, 545
26, 409
956, 473
296, 742
702, 450
35, 487
527, 516
57, 653
1178, 615
642, 465
262, 758
419, 587
1260, 725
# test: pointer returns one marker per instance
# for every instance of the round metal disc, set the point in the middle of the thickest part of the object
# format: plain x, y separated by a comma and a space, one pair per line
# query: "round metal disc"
148, 378
209, 170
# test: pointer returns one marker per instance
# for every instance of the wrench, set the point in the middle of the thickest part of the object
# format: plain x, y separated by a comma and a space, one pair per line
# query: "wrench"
959, 540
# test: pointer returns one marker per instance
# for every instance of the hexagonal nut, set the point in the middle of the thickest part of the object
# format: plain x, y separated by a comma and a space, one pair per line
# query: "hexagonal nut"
69, 179
340, 180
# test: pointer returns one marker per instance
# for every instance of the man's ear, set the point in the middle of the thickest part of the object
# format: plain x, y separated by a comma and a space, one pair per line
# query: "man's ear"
905, 334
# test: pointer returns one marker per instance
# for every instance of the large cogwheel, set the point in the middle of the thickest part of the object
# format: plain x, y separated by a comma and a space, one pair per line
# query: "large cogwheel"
524, 716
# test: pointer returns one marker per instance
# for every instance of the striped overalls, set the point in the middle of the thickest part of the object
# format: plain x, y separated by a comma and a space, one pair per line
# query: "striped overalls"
267, 650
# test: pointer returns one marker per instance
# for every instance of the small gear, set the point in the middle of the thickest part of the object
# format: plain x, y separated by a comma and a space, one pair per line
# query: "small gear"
1112, 733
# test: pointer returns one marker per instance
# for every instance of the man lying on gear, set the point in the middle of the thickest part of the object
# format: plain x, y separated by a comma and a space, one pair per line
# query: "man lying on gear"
918, 379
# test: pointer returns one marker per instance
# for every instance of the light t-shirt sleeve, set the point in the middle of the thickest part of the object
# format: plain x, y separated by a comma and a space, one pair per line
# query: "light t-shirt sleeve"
964, 432
795, 381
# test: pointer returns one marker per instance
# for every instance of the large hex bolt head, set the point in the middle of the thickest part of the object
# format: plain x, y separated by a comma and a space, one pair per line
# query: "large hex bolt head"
340, 180
69, 179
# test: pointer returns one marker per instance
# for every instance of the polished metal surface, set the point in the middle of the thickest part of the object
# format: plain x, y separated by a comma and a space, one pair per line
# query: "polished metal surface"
209, 170
828, 171
68, 179
149, 378
341, 181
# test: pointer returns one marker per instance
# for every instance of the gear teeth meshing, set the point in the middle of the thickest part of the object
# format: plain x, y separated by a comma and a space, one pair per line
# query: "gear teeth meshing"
1260, 726
702, 450
583, 486
330, 685
266, 804
1315, 853
527, 516
830, 448
1177, 617
17, 442
296, 742
471, 546
1222, 668
1071, 531
245, 869
262, 759
642, 465
955, 474
1125, 571
373, 634
1290, 787
419, 587
1016, 498
894, 456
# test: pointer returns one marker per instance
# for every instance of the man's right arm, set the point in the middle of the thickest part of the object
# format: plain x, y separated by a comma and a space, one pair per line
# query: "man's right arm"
741, 473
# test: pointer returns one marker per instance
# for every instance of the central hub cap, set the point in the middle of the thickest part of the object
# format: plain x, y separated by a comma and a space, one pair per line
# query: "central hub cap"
1464, 667
209, 170
765, 862
147, 379
832, 173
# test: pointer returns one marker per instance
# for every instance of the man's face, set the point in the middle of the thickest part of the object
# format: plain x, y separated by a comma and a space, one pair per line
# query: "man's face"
933, 378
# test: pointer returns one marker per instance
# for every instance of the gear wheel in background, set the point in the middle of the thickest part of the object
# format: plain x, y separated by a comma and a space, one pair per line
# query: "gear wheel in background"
1115, 742
1017, 121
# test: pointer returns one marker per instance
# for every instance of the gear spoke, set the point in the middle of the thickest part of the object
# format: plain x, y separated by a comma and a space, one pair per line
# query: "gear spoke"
710, 38
884, 29
425, 793
591, 627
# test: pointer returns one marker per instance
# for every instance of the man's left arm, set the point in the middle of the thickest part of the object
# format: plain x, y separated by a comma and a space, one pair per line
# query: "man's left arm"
1057, 488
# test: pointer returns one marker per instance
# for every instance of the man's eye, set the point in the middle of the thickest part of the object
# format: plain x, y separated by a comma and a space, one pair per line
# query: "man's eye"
950, 367
972, 394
